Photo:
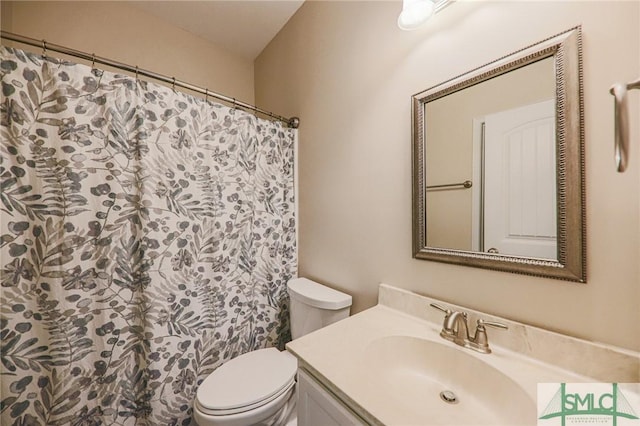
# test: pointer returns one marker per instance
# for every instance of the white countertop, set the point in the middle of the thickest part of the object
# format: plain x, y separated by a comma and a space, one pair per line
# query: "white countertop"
335, 356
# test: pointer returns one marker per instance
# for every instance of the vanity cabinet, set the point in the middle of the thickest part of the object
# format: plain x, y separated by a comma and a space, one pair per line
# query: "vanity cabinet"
317, 406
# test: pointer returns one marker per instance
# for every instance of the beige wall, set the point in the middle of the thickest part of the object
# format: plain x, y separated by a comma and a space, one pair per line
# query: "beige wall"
349, 73
121, 32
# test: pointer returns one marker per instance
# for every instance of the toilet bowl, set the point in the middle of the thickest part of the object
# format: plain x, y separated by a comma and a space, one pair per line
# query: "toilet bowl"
258, 388
253, 388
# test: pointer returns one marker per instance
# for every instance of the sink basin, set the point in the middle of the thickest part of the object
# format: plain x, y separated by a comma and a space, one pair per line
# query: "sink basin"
420, 370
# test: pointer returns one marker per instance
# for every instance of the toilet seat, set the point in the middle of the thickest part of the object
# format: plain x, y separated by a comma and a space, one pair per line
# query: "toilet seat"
240, 410
247, 382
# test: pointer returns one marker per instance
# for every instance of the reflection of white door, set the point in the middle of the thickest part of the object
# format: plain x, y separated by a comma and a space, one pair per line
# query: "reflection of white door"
520, 184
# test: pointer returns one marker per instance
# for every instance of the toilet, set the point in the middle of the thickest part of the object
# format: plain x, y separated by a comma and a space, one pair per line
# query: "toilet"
258, 388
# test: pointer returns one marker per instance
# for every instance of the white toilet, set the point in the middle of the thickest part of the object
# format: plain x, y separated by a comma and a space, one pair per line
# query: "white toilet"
258, 388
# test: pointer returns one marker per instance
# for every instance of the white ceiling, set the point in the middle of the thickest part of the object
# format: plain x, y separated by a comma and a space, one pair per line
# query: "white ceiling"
244, 27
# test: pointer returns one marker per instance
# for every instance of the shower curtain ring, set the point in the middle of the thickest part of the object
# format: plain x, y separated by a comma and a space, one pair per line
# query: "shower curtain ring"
174, 84
93, 61
206, 95
234, 105
44, 48
136, 73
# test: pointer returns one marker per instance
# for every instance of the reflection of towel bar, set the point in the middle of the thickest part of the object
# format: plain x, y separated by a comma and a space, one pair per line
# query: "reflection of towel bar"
622, 122
465, 184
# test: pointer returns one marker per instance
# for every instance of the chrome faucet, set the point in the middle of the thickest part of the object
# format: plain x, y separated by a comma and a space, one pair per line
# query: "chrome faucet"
456, 329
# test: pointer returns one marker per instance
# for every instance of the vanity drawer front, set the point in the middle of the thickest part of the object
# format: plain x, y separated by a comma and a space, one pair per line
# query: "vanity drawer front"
318, 407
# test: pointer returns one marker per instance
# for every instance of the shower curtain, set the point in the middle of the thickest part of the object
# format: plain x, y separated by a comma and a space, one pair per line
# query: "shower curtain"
147, 237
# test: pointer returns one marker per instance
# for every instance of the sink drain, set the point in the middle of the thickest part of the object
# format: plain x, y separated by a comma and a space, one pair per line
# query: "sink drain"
448, 397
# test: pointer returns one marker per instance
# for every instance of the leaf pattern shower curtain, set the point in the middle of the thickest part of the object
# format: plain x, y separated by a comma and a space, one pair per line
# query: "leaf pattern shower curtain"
147, 237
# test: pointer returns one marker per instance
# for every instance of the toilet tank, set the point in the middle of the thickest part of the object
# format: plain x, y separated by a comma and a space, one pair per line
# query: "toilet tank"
314, 306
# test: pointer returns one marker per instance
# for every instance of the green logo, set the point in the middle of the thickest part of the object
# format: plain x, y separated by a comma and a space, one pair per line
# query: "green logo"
588, 404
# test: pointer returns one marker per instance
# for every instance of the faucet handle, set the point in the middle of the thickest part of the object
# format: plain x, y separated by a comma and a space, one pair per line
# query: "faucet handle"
480, 340
446, 328
482, 323
446, 311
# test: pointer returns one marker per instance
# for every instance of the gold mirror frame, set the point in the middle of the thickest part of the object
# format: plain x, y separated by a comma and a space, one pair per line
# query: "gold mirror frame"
566, 49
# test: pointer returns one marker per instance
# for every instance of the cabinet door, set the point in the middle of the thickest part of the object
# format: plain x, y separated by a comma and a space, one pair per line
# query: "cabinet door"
317, 407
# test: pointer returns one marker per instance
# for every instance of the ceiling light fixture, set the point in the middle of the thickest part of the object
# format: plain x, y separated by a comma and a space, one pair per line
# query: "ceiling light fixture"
415, 13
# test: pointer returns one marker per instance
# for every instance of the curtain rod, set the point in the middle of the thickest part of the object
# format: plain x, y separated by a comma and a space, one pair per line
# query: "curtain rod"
292, 122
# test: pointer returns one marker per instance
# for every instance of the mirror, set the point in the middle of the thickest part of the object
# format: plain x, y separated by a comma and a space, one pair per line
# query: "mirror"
498, 164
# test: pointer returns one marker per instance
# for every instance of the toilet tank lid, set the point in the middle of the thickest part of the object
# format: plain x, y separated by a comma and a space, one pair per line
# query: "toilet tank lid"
317, 295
